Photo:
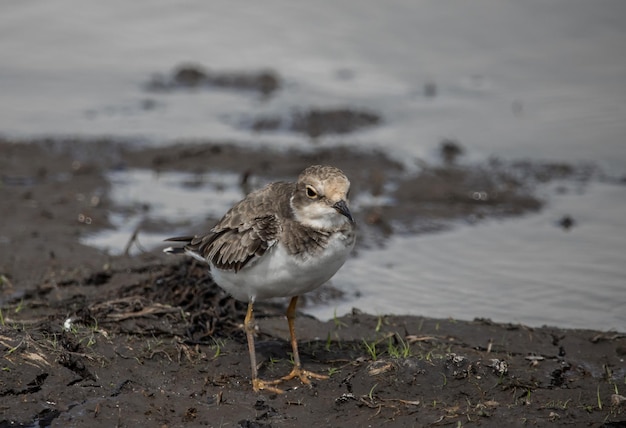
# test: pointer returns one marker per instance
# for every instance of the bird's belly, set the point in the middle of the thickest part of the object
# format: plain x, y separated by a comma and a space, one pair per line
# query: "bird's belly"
278, 274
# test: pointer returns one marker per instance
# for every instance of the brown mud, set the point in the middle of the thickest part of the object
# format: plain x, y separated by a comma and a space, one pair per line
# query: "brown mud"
91, 339
316, 122
194, 76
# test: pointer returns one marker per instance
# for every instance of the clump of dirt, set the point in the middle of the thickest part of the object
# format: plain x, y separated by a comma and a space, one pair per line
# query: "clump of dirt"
317, 122
450, 150
191, 76
183, 294
470, 193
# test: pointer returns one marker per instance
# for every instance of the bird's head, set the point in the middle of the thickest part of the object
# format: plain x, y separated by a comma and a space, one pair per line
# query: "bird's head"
320, 199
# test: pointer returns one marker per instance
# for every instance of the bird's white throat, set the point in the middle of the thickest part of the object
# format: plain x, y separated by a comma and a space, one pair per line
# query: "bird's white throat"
319, 216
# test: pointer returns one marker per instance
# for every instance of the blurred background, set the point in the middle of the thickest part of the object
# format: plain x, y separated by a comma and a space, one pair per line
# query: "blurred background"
495, 80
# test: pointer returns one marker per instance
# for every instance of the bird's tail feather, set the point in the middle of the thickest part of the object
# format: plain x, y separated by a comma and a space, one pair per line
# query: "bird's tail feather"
174, 250
180, 239
177, 250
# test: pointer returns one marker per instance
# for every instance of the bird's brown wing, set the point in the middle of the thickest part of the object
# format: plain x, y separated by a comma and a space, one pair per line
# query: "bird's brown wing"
234, 248
245, 232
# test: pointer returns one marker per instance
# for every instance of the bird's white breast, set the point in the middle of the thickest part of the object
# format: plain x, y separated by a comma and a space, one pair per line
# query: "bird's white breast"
279, 274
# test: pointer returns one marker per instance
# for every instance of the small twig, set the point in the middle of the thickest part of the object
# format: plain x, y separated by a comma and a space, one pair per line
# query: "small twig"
412, 338
156, 309
131, 240
607, 336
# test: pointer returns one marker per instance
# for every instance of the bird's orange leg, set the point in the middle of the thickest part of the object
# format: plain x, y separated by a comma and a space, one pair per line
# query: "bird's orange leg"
297, 371
257, 384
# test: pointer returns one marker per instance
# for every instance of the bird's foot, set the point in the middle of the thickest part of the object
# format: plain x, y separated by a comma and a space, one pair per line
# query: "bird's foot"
266, 385
305, 376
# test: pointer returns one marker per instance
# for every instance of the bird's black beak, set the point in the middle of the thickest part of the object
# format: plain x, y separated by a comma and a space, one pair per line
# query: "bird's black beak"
342, 208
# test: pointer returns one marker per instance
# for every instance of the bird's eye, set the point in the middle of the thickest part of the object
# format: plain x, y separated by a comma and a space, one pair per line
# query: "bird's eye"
310, 192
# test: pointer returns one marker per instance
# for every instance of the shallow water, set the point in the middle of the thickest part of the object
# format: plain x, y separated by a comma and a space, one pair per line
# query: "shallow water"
524, 270
513, 79
171, 197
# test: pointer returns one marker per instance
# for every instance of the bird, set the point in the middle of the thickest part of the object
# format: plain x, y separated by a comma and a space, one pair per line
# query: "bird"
282, 240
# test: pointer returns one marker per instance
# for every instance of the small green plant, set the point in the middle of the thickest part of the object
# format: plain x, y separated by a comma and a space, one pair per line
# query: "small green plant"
608, 373
558, 404
371, 349
85, 335
15, 348
379, 324
4, 281
599, 399
153, 345
273, 361
54, 341
328, 342
337, 321
398, 348
90, 340
332, 371
371, 393
2, 319
19, 307
218, 344
588, 408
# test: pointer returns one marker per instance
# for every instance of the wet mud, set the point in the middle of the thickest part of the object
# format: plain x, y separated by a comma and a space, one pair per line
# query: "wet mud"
194, 77
87, 338
316, 122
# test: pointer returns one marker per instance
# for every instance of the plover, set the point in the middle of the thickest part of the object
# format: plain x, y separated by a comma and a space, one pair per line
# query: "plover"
280, 241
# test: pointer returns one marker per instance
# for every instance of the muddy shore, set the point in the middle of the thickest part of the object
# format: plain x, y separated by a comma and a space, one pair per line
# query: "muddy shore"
89, 338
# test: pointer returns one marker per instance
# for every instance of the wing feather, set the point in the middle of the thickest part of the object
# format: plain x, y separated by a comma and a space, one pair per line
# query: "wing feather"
246, 231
